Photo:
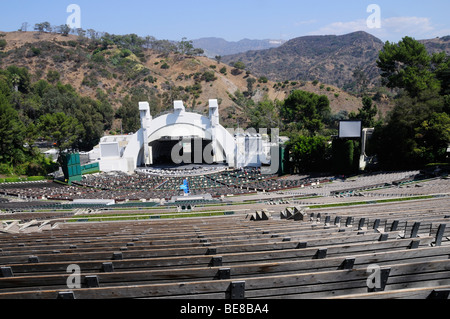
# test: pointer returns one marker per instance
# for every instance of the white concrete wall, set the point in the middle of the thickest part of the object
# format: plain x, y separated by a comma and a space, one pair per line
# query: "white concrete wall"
112, 164
178, 123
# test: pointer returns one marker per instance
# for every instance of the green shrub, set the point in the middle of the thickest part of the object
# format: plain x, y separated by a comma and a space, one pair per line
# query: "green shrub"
115, 60
35, 51
125, 53
208, 76
150, 79
58, 58
90, 81
6, 169
72, 43
53, 76
98, 58
239, 65
236, 71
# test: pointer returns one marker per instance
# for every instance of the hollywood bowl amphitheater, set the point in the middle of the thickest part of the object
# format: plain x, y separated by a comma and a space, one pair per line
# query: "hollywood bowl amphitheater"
186, 209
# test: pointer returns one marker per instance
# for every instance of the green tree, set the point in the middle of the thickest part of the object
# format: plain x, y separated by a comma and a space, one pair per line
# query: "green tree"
441, 63
12, 134
361, 80
345, 156
308, 153
64, 29
305, 111
396, 142
55, 112
19, 77
61, 129
366, 114
39, 27
250, 83
208, 76
407, 65
185, 46
129, 114
43, 26
239, 65
265, 115
53, 76
93, 116
5, 84
47, 26
417, 128
105, 109
164, 46
432, 138
263, 79
40, 87
148, 41
81, 35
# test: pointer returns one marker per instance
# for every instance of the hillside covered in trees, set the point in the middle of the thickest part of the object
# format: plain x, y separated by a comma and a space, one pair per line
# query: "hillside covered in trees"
71, 89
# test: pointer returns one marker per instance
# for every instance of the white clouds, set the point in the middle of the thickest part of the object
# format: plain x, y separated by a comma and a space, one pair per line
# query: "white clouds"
405, 25
392, 29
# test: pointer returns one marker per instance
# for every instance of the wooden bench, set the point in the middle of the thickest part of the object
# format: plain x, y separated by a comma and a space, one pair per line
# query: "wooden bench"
228, 257
437, 292
265, 252
317, 262
304, 285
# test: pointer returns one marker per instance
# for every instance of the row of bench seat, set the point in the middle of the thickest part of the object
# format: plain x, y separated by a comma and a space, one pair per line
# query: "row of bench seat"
328, 254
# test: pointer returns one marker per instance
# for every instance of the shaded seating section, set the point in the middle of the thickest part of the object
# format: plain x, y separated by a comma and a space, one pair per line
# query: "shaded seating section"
324, 254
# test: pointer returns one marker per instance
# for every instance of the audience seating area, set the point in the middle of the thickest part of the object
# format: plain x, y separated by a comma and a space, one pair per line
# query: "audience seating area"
326, 253
122, 187
143, 186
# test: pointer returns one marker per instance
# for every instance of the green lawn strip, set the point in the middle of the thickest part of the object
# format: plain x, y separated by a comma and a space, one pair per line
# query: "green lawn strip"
19, 179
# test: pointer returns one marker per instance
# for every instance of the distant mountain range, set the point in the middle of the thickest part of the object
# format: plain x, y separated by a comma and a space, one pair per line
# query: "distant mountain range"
218, 46
329, 59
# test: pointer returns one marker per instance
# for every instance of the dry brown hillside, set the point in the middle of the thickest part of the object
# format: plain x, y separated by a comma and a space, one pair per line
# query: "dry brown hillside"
160, 78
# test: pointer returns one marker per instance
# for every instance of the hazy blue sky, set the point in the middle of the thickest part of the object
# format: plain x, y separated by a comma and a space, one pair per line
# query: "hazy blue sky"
236, 19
